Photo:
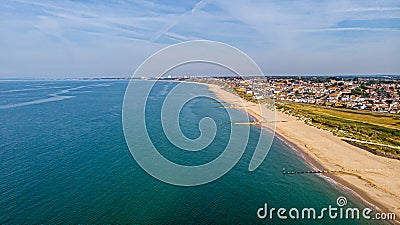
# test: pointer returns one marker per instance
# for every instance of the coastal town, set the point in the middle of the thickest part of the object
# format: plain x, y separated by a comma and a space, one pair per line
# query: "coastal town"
372, 94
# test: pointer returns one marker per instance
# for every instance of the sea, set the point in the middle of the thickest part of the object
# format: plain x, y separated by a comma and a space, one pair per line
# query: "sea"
64, 159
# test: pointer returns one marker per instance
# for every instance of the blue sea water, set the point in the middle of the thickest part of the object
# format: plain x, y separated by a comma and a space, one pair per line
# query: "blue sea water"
64, 159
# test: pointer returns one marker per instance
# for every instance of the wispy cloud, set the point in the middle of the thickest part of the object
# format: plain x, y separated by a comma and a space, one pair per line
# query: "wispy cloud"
371, 9
117, 35
164, 30
351, 29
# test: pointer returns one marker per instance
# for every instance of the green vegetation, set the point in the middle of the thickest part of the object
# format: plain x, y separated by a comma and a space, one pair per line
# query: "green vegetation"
363, 126
359, 92
242, 94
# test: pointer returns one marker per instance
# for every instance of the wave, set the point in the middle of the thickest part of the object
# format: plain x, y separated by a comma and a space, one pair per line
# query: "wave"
58, 96
34, 102
32, 89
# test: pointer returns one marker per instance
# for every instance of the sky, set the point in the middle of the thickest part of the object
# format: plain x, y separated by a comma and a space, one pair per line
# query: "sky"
111, 38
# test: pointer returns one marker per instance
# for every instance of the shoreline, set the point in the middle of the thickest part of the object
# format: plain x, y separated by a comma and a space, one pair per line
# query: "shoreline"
360, 185
334, 180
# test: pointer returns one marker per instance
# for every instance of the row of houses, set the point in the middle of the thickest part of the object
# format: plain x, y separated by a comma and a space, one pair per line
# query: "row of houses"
362, 94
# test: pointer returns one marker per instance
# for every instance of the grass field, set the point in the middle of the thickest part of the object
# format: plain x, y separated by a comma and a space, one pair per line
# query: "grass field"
378, 128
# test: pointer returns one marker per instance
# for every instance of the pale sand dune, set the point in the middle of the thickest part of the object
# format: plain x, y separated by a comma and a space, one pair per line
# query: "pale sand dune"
380, 187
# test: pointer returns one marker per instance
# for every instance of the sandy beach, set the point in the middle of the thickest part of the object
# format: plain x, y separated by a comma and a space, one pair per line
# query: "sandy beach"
377, 179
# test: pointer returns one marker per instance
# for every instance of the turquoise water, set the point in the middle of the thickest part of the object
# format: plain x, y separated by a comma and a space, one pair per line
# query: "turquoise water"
64, 159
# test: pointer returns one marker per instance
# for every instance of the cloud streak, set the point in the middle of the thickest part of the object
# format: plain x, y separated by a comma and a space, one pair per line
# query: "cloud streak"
351, 29
106, 38
165, 29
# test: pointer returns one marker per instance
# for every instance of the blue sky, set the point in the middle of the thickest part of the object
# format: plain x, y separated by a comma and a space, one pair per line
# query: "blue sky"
111, 38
